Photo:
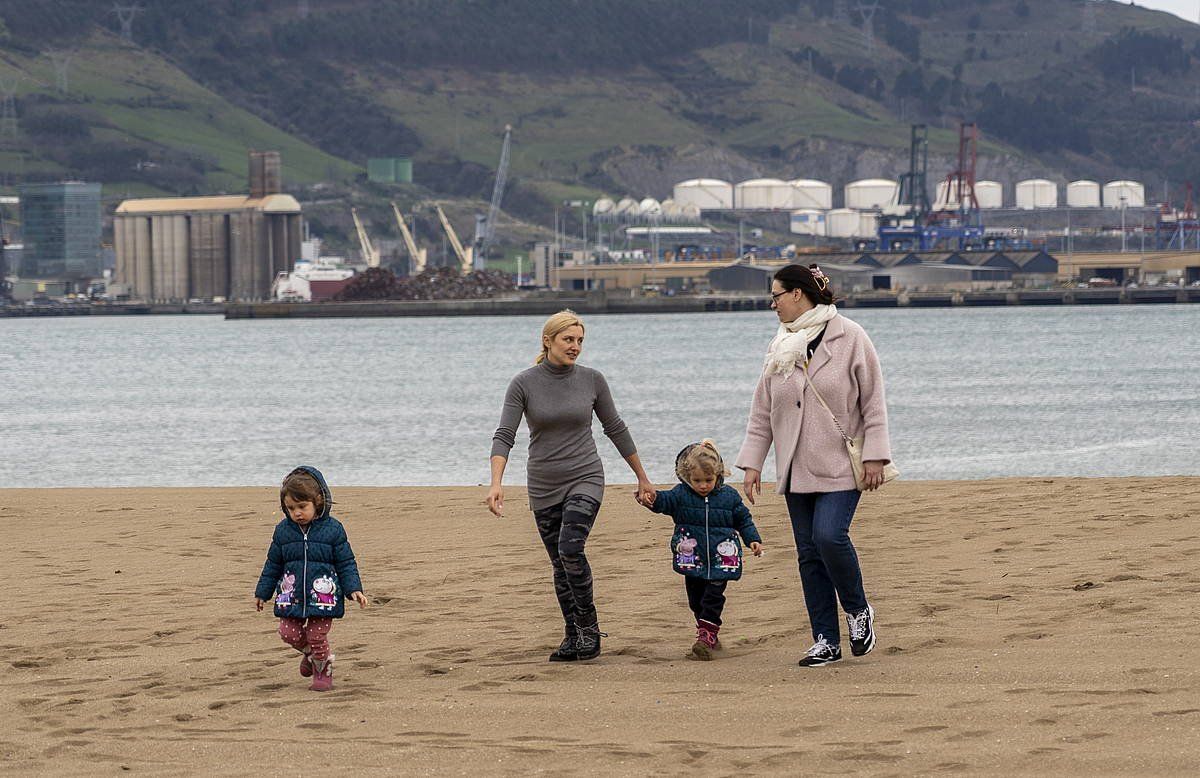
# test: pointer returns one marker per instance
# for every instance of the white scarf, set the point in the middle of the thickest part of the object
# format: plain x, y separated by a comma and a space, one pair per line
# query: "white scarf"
790, 345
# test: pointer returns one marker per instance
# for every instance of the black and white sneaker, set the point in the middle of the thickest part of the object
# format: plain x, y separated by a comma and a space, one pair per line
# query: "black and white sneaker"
821, 653
862, 631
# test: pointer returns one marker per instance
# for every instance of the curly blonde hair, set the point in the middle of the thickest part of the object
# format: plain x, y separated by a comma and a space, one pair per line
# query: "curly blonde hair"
701, 457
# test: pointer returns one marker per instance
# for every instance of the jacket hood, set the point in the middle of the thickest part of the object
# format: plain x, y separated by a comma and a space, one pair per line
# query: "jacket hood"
682, 476
325, 493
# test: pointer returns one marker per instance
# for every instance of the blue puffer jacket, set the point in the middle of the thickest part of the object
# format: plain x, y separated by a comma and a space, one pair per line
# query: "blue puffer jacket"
705, 542
309, 573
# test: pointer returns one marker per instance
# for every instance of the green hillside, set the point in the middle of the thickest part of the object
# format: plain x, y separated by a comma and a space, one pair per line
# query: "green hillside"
619, 97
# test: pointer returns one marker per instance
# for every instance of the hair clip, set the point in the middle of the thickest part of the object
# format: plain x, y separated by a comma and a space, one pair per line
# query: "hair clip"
820, 277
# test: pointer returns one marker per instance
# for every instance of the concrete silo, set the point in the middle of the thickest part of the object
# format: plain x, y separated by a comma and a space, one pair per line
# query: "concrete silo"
870, 193
707, 194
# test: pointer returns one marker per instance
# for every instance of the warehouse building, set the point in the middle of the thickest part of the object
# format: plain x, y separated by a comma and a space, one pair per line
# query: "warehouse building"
230, 246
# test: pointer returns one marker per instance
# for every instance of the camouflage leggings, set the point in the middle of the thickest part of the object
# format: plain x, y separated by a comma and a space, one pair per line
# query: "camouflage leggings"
564, 529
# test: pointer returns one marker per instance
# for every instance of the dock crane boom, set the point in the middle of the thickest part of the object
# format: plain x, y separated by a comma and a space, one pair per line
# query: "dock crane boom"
483, 240
369, 252
464, 258
415, 255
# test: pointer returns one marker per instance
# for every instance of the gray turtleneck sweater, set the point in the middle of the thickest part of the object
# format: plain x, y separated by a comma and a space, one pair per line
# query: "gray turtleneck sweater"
558, 403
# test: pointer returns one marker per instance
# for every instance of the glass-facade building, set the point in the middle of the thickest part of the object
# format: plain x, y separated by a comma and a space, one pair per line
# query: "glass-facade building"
60, 224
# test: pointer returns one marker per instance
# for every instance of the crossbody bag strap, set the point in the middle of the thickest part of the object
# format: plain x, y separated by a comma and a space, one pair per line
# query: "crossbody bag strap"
811, 385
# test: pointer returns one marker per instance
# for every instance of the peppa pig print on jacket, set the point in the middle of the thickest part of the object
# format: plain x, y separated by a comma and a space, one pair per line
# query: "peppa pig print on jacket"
307, 570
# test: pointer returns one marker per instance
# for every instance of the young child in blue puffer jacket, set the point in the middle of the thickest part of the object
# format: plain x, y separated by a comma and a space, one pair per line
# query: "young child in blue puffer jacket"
310, 571
709, 518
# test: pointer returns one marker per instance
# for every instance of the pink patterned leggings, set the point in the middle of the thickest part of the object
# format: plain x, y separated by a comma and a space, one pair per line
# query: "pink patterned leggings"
312, 634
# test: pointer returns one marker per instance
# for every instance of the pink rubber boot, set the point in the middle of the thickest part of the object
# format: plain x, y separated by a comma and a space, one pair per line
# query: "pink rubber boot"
322, 675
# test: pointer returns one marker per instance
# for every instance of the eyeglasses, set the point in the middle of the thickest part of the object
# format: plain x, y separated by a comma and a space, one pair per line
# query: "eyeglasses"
776, 295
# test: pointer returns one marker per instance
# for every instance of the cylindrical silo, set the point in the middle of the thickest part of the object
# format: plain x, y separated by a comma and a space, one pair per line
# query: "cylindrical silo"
179, 256
808, 221
868, 225
124, 270
763, 194
707, 194
870, 193
990, 194
143, 257
1134, 194
1037, 193
842, 223
808, 194
1083, 194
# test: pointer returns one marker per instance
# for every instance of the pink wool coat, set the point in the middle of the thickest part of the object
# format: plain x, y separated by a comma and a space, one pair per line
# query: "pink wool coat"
808, 446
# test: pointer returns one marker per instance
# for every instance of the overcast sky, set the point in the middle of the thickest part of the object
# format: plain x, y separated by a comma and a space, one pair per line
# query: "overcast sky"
1188, 9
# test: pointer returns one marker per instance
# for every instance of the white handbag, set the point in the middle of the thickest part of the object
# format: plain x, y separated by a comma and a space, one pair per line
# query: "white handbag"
853, 445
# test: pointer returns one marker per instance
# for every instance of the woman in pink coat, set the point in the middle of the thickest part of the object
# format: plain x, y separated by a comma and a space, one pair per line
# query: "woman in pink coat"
814, 471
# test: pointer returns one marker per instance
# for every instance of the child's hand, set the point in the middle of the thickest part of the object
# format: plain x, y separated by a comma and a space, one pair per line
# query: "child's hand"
258, 604
757, 549
360, 598
644, 498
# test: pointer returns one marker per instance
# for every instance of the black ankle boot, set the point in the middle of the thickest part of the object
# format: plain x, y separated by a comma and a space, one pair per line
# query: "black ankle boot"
587, 643
566, 650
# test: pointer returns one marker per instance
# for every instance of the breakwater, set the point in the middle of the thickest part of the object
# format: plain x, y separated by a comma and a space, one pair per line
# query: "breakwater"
110, 309
605, 303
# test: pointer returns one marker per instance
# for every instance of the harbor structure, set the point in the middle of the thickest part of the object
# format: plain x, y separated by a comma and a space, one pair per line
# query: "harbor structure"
225, 246
61, 228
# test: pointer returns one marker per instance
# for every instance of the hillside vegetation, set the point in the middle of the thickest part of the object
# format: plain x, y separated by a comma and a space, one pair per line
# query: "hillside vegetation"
616, 96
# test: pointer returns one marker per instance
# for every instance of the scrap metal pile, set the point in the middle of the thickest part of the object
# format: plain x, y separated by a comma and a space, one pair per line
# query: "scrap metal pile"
441, 283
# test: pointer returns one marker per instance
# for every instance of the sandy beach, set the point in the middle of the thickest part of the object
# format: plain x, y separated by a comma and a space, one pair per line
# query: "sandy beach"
1025, 626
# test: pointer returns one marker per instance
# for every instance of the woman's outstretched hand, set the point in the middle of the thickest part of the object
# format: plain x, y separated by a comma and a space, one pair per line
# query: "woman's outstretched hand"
752, 484
495, 499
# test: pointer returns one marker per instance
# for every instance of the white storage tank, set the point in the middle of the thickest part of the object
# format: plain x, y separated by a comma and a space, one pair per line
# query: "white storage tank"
1133, 192
870, 193
763, 194
603, 208
842, 223
670, 209
689, 212
808, 221
626, 208
707, 194
808, 194
1083, 194
650, 208
1037, 193
990, 194
868, 225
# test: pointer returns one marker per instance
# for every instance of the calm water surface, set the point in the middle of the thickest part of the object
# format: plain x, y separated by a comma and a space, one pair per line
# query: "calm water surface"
200, 401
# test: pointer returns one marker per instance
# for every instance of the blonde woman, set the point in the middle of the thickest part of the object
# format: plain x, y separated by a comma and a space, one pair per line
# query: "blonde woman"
557, 398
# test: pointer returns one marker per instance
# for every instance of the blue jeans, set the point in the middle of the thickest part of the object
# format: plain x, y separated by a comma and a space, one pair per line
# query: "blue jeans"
829, 568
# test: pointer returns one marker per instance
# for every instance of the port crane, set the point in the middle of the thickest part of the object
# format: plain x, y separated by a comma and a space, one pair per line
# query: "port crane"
485, 226
415, 255
464, 255
369, 252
